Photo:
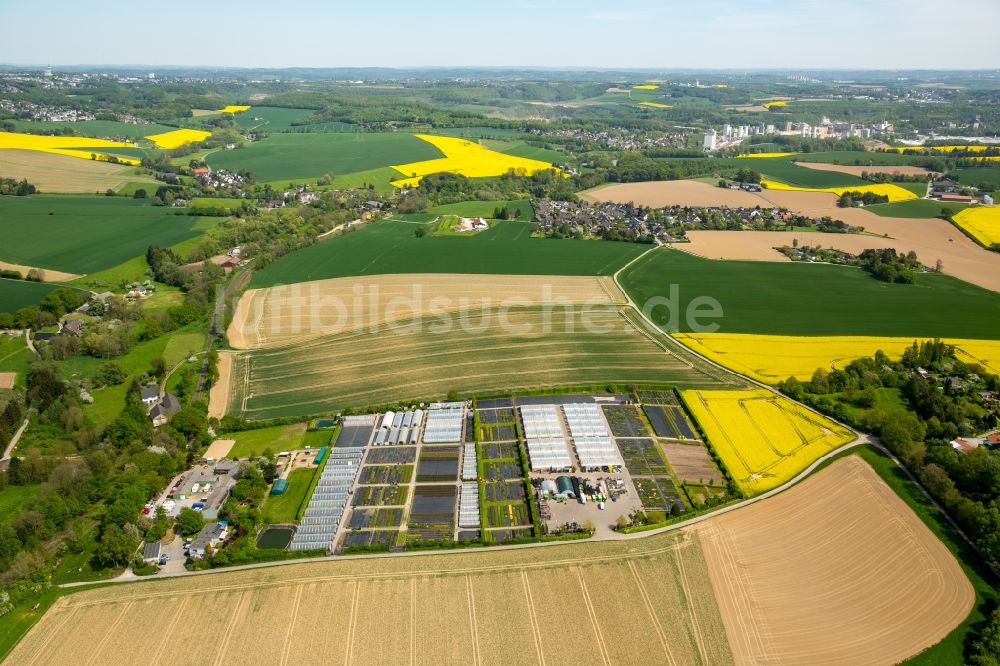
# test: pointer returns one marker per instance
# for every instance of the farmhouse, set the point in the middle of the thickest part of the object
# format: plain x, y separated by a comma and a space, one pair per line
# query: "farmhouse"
163, 411
73, 327
210, 536
471, 224
150, 395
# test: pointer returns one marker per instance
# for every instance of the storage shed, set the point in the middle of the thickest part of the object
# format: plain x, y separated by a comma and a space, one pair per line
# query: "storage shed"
565, 486
279, 487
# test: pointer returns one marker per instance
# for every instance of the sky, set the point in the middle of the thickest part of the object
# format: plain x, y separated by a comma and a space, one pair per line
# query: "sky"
663, 34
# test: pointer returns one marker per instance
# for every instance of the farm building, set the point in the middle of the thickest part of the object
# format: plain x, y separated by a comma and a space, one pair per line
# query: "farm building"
468, 505
444, 423
541, 421
548, 454
387, 419
469, 467
211, 535
279, 487
564, 486
595, 452
151, 552
150, 395
319, 523
585, 420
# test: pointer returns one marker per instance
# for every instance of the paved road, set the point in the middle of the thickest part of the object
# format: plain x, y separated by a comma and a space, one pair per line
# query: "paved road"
13, 442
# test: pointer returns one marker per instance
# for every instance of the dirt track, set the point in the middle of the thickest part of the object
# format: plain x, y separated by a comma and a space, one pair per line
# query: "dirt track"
218, 395
835, 570
306, 310
930, 239
856, 170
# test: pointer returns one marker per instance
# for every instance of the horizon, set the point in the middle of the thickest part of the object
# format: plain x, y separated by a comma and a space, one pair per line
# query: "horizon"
721, 34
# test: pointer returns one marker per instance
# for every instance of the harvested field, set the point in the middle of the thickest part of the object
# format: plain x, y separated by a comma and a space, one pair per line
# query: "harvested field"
218, 395
220, 448
889, 590
836, 570
7, 380
692, 462
855, 170
47, 274
278, 315
61, 173
931, 239
484, 351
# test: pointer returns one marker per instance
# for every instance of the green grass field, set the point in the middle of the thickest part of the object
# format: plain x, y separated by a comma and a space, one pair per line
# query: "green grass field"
392, 247
285, 508
16, 294
786, 171
522, 149
856, 158
485, 208
15, 356
13, 498
279, 119
915, 208
173, 347
289, 157
482, 352
83, 234
974, 177
255, 442
94, 128
814, 299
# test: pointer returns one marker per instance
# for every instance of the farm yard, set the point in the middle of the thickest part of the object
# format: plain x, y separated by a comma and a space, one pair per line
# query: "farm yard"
774, 358
384, 366
277, 315
794, 298
85, 234
655, 594
763, 439
388, 247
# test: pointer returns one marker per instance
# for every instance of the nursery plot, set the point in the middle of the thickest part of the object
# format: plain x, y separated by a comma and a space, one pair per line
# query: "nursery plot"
388, 455
438, 464
380, 496
504, 491
375, 518
692, 463
625, 421
385, 474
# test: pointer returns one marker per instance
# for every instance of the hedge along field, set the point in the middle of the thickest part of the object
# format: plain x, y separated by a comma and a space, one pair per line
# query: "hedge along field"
915, 208
94, 128
813, 299
392, 247
284, 157
856, 158
278, 119
16, 294
81, 234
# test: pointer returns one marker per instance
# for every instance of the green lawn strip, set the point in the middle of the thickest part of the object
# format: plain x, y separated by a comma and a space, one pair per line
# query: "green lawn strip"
285, 508
485, 208
291, 156
131, 270
276, 438
392, 247
380, 178
812, 299
915, 208
84, 234
16, 294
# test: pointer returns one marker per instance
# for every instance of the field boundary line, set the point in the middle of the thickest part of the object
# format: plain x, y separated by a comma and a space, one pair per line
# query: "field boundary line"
69, 615
652, 613
692, 613
352, 625
593, 617
109, 631
413, 621
476, 657
287, 648
231, 627
178, 614
535, 630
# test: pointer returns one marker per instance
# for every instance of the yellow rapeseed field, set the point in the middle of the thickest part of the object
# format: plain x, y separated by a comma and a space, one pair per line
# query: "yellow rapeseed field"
776, 103
983, 222
656, 105
944, 149
466, 158
763, 439
764, 155
773, 358
234, 108
894, 192
176, 138
646, 86
73, 146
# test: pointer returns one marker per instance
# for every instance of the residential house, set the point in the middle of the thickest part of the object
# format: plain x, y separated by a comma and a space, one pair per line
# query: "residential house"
73, 327
964, 445
210, 536
150, 395
164, 410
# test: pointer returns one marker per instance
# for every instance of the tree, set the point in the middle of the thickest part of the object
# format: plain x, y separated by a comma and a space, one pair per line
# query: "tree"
110, 374
420, 232
190, 522
158, 367
115, 547
140, 194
